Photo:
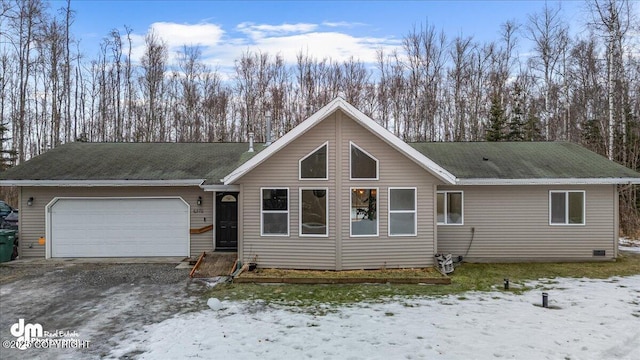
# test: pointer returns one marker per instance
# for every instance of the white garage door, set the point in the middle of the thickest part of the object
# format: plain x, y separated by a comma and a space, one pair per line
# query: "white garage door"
120, 227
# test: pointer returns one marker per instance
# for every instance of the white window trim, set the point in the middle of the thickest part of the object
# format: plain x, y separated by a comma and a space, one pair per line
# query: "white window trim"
326, 189
414, 211
326, 164
262, 212
352, 144
377, 234
566, 207
446, 206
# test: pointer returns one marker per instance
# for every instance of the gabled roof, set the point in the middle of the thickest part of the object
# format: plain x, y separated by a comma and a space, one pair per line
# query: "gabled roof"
111, 164
504, 163
205, 164
359, 117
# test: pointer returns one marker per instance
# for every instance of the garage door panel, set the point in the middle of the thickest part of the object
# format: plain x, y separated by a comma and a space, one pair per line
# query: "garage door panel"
119, 227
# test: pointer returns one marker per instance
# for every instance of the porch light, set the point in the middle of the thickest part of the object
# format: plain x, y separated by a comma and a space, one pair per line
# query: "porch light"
199, 202
30, 201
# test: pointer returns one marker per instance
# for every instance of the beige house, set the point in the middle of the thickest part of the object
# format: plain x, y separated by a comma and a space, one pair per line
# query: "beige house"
337, 192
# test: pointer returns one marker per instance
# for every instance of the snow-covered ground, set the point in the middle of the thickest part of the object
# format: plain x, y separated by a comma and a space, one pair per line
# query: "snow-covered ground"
632, 245
587, 319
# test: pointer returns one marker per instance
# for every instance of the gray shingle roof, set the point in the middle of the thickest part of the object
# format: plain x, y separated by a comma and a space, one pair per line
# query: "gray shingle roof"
213, 161
521, 160
134, 161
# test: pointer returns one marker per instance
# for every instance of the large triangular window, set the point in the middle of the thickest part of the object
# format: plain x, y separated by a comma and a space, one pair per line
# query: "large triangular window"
363, 165
314, 166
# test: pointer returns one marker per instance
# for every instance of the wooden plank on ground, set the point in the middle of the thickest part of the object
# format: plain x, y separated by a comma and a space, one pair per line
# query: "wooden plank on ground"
355, 280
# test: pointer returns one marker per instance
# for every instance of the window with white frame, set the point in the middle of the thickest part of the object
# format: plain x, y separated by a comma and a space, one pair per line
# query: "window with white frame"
274, 212
314, 212
566, 207
402, 212
364, 213
315, 166
450, 208
363, 165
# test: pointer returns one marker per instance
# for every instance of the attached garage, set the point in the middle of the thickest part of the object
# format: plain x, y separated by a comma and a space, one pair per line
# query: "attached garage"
117, 227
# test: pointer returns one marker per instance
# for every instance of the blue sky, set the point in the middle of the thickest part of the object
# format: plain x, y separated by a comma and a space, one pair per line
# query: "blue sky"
336, 29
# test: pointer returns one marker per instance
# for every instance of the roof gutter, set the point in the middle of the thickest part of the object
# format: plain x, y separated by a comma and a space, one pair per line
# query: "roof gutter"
560, 181
95, 183
220, 188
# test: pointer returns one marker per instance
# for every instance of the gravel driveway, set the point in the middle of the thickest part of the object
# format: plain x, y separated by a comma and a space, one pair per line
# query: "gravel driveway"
99, 304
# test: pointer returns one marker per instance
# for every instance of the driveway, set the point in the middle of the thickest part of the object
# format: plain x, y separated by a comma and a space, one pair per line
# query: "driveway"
92, 306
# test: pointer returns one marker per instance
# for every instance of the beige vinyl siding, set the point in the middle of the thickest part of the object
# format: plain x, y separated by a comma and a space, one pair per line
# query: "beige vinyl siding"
281, 171
512, 224
32, 218
395, 170
338, 250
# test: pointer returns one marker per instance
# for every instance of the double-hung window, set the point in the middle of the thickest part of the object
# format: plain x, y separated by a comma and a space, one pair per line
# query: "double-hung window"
274, 212
450, 208
566, 207
402, 212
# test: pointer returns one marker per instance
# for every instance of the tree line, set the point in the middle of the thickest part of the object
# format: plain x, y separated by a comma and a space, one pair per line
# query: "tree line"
582, 88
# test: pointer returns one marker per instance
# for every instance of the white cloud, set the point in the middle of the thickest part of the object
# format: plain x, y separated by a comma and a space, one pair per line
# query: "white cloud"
177, 35
343, 24
258, 31
334, 45
221, 48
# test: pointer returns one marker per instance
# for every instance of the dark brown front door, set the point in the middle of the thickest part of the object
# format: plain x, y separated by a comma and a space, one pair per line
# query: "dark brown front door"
227, 221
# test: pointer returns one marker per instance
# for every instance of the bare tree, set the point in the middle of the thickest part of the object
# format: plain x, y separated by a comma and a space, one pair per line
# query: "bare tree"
547, 31
151, 126
612, 19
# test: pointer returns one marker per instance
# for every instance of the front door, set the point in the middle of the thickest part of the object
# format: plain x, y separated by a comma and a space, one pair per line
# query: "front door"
227, 221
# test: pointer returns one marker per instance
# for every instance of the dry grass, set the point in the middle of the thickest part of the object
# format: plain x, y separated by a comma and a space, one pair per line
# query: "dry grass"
366, 274
215, 264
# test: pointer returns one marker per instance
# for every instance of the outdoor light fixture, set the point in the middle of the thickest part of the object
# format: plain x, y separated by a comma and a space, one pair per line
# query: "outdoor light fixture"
199, 202
30, 201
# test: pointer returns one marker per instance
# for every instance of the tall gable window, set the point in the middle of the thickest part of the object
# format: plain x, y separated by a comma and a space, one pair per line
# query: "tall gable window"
314, 212
566, 207
315, 166
364, 212
274, 212
363, 165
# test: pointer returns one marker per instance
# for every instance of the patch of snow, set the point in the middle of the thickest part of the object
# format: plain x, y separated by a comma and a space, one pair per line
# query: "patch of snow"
214, 304
214, 281
629, 245
587, 319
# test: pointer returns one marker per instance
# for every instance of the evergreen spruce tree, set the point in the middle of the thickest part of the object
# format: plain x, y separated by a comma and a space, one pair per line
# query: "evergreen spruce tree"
6, 156
516, 123
497, 121
532, 129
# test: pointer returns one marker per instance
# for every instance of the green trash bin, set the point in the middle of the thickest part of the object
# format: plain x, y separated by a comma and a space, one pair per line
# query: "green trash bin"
6, 244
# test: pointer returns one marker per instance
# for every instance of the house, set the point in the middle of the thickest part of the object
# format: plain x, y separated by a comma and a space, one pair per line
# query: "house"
336, 192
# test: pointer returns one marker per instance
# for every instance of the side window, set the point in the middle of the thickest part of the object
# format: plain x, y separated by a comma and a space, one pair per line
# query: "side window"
364, 212
402, 212
566, 207
450, 208
314, 166
363, 165
274, 212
